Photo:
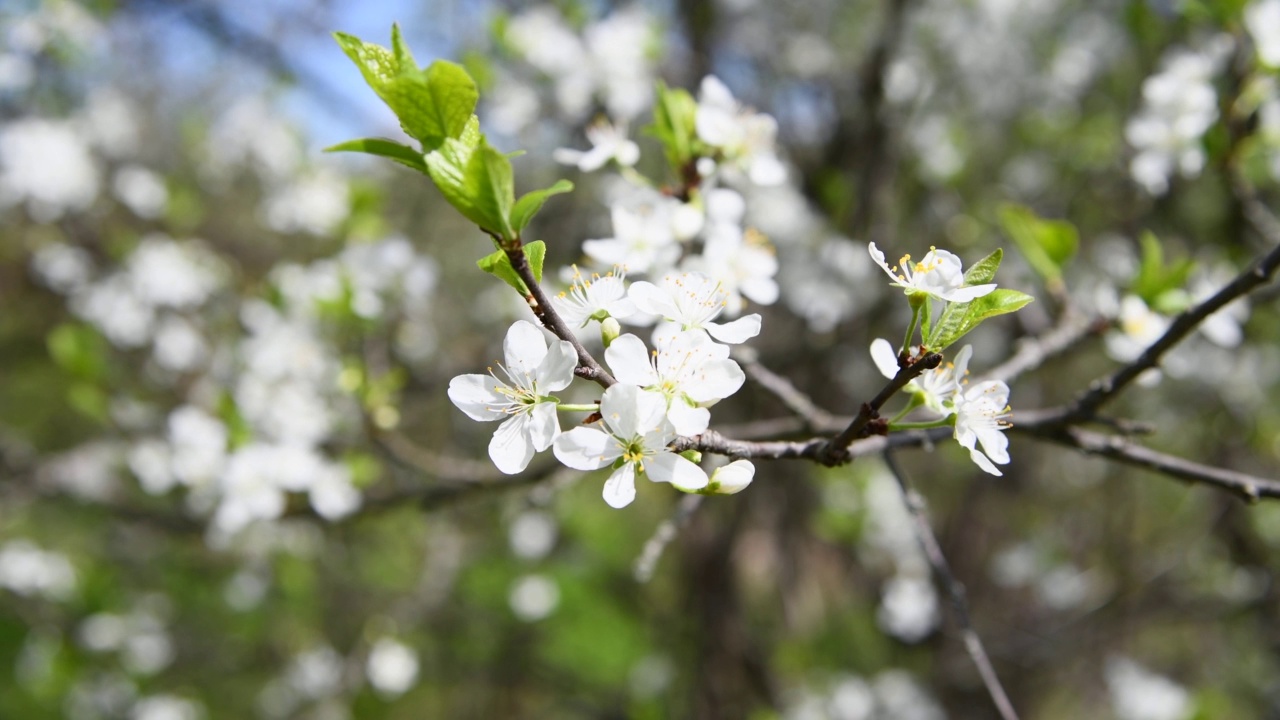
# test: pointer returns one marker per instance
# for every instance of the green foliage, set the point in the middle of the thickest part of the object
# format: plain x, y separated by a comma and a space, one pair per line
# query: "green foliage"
1048, 245
1155, 277
499, 265
402, 154
433, 105
674, 117
959, 319
531, 202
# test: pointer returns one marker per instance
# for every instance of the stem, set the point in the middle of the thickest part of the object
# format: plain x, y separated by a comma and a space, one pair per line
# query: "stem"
911, 330
919, 425
914, 403
585, 407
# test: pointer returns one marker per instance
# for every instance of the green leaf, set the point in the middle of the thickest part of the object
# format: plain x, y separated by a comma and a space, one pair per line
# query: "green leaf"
1155, 277
432, 105
402, 154
970, 315
984, 271
674, 120
536, 251
531, 202
490, 185
498, 265
1048, 245
477, 181
78, 349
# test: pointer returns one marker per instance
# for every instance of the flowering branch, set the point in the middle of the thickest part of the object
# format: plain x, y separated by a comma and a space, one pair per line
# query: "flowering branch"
836, 451
588, 366
942, 569
1103, 390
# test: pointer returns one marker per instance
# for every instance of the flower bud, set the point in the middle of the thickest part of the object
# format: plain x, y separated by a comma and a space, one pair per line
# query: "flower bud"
610, 329
731, 478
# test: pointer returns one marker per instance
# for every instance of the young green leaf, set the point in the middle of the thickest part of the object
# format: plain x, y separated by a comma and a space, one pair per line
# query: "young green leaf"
969, 315
984, 271
674, 116
531, 202
499, 265
402, 154
1048, 245
491, 187
432, 105
1155, 277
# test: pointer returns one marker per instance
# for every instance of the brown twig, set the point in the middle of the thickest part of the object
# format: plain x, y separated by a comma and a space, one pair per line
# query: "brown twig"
647, 563
942, 570
797, 402
1103, 390
588, 367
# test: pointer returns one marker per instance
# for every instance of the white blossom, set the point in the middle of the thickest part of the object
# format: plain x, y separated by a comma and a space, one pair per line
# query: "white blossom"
1139, 694
938, 274
28, 570
608, 142
636, 432
1138, 327
141, 190
746, 138
1262, 19
534, 597
595, 298
692, 301
980, 418
687, 369
935, 387
643, 239
529, 419
732, 478
47, 165
392, 667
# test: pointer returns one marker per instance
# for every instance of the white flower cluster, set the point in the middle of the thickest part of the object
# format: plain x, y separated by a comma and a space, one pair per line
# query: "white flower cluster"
30, 571
660, 394
1179, 105
612, 59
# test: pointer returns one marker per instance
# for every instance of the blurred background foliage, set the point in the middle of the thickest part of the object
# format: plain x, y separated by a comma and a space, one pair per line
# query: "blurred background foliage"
183, 272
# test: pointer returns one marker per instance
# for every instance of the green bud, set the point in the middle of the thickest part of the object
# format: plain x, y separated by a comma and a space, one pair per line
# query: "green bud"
610, 329
692, 456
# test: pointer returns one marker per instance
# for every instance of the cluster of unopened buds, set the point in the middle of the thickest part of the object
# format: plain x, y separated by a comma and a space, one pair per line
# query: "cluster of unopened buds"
659, 395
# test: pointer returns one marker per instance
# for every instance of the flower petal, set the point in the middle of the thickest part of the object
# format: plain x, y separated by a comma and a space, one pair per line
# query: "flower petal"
543, 425
630, 412
477, 396
620, 488
628, 358
884, 357
510, 449
524, 348
879, 258
555, 372
584, 448
671, 468
716, 380
966, 294
652, 299
984, 463
733, 478
686, 419
738, 331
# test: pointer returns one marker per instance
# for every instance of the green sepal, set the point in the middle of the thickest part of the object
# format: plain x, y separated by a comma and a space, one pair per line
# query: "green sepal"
381, 147
531, 202
1048, 245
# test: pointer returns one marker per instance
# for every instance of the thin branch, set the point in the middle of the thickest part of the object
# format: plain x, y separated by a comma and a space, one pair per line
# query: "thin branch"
1123, 450
942, 570
835, 451
796, 401
1103, 390
647, 563
588, 367
1071, 329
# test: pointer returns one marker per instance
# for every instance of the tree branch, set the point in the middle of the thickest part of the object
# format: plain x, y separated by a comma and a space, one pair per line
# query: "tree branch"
1103, 390
942, 570
1126, 451
647, 563
797, 402
588, 367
